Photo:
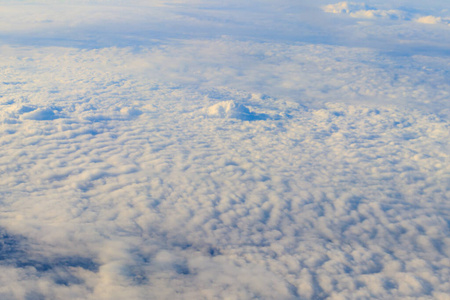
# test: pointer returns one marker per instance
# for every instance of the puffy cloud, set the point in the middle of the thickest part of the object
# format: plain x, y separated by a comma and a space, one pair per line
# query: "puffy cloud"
433, 20
429, 20
137, 195
229, 109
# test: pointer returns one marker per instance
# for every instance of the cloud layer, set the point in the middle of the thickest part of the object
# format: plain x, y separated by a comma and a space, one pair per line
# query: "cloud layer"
203, 167
125, 188
98, 24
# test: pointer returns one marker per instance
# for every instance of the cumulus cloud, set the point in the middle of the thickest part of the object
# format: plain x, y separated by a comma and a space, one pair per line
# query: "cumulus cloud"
229, 109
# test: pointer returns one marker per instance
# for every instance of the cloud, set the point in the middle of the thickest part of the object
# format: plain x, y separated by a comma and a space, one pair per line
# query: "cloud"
433, 20
229, 109
154, 199
362, 11
222, 166
40, 114
344, 7
429, 20
146, 23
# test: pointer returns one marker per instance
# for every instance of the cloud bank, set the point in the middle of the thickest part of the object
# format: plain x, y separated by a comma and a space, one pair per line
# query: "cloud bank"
103, 24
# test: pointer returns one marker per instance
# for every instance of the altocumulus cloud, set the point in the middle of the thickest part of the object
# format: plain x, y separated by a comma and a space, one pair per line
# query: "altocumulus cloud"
222, 166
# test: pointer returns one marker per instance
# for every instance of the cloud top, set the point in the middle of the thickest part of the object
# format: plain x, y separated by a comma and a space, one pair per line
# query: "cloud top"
231, 109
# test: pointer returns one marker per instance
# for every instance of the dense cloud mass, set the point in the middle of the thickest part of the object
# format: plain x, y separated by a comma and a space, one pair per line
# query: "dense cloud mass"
211, 150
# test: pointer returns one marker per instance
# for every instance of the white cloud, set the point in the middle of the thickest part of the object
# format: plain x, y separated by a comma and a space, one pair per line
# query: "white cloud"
344, 7
429, 20
433, 20
225, 167
363, 11
229, 109
167, 201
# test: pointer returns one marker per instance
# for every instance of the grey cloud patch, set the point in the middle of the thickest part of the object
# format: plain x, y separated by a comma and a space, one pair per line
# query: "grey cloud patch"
16, 251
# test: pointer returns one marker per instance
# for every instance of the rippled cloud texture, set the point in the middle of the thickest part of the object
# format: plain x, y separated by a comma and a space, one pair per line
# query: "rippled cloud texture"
224, 150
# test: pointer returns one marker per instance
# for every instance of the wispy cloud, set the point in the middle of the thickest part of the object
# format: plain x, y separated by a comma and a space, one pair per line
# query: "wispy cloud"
363, 11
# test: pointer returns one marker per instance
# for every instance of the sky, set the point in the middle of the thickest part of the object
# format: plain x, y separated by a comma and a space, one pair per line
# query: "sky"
224, 150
